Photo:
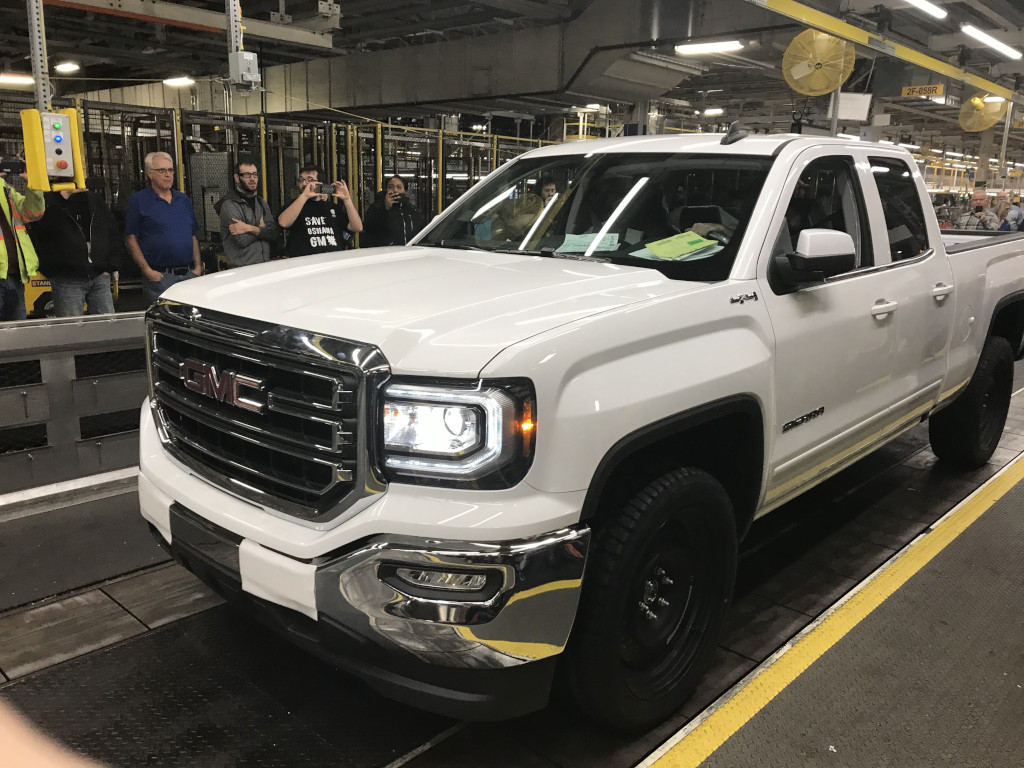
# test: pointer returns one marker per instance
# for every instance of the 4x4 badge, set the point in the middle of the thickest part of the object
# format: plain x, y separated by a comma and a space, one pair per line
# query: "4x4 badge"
743, 297
225, 386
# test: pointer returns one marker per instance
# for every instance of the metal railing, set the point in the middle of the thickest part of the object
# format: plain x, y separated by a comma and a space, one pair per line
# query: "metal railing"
70, 393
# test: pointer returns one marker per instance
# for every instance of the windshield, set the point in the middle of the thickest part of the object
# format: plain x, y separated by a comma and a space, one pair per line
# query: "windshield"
683, 214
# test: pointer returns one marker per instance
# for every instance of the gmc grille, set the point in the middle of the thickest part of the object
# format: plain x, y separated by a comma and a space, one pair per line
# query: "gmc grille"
298, 449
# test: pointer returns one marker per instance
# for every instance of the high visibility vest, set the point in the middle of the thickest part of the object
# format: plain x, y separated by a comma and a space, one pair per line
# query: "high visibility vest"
25, 208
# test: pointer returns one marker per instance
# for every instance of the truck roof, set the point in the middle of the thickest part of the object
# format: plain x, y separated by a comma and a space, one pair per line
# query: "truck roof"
710, 143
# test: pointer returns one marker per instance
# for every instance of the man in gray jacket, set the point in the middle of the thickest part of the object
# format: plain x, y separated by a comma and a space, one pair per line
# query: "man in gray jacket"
247, 228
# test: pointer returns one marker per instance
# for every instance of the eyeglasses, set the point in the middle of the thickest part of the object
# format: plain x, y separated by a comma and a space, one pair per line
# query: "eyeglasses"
306, 179
161, 170
249, 175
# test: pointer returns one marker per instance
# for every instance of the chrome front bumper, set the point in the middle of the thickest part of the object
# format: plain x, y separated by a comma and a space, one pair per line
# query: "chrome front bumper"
529, 616
480, 659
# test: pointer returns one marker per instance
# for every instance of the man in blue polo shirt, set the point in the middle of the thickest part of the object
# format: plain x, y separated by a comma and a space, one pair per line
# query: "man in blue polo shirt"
160, 228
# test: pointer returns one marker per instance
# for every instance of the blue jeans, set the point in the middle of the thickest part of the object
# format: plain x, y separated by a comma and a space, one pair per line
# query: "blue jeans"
71, 294
12, 299
153, 288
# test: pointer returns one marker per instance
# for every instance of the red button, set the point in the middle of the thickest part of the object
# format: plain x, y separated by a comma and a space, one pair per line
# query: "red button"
62, 164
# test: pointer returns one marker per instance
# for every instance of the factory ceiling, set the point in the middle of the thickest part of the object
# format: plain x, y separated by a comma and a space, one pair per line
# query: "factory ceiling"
119, 43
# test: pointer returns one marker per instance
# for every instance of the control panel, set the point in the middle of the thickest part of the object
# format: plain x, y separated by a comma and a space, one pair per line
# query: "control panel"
53, 153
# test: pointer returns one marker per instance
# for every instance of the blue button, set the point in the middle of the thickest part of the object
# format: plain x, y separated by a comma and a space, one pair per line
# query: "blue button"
58, 139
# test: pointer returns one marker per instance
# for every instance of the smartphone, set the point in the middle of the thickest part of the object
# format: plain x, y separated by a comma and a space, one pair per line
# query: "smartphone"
11, 165
979, 208
324, 189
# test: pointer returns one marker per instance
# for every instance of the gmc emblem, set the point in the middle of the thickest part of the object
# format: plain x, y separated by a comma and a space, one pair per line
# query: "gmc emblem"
226, 387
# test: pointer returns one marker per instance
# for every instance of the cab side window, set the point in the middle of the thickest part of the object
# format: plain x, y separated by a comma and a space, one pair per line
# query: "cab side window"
827, 196
901, 205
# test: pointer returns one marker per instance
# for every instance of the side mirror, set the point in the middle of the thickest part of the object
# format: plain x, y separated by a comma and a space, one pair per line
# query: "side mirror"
820, 254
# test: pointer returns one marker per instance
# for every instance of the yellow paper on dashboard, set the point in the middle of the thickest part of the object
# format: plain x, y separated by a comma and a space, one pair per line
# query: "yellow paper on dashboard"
679, 245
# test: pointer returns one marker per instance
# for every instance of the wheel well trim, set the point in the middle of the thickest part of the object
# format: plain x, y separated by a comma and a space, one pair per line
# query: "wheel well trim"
1016, 297
675, 424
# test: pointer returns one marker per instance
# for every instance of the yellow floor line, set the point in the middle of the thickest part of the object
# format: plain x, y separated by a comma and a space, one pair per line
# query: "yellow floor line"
696, 742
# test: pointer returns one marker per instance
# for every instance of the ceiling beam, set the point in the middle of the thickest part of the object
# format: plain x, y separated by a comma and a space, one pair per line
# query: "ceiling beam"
834, 26
529, 8
196, 19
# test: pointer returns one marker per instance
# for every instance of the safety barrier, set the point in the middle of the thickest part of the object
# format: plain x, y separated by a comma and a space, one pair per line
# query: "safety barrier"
70, 393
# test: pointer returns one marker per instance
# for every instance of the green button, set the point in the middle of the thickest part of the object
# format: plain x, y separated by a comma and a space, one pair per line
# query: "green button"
57, 126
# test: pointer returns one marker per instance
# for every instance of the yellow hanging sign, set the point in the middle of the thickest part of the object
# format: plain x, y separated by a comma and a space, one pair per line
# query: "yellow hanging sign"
910, 91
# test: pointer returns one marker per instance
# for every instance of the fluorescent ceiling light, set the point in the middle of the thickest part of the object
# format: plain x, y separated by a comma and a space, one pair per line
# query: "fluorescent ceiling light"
713, 111
930, 8
954, 154
593, 106
910, 146
885, 141
993, 99
847, 136
722, 46
991, 42
7, 79
178, 82
67, 66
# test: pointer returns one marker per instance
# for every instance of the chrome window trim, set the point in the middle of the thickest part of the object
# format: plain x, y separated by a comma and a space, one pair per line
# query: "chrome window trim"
876, 268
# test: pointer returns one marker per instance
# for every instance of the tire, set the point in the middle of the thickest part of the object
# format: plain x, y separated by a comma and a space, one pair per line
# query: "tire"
966, 433
634, 660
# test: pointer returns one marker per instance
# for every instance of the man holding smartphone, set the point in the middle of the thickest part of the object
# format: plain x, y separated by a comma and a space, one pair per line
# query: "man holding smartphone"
980, 215
315, 222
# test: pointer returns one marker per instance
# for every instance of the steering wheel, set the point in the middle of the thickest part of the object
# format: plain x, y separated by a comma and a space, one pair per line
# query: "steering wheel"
719, 237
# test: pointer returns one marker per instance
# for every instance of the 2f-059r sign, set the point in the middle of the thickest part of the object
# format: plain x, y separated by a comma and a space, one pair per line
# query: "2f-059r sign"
225, 386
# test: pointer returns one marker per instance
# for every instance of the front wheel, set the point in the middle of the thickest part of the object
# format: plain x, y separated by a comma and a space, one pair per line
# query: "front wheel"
966, 433
660, 583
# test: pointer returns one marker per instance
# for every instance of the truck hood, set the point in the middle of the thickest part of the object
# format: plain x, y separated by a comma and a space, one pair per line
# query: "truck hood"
433, 311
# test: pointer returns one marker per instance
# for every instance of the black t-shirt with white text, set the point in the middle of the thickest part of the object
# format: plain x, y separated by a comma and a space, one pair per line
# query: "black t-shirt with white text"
320, 227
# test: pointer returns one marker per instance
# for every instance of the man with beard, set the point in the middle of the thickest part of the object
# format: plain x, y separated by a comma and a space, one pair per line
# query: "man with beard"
316, 222
247, 229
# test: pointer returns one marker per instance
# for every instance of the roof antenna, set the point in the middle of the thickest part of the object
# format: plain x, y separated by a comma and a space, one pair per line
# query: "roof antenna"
734, 134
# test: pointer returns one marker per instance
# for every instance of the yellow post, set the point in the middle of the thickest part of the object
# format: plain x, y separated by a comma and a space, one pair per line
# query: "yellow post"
440, 171
350, 170
263, 155
334, 150
280, 167
378, 138
494, 152
179, 149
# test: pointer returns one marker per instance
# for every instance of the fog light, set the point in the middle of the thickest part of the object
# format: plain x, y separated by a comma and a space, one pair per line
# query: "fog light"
445, 580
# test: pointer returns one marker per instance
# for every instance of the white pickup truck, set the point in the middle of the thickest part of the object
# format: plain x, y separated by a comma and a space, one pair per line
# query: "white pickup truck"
534, 436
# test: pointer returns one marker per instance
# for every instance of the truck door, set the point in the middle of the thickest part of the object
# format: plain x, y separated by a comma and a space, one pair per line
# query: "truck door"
920, 281
836, 340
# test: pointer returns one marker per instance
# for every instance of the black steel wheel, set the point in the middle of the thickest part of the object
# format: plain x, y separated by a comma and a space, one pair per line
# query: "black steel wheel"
966, 433
658, 588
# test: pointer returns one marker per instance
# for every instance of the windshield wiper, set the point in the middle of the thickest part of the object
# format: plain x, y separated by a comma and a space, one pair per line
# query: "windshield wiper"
538, 252
455, 245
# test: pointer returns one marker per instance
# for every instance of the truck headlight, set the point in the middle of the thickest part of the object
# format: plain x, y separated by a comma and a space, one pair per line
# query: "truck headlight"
480, 435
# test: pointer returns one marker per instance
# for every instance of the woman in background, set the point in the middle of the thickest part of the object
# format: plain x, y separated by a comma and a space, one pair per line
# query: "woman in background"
391, 219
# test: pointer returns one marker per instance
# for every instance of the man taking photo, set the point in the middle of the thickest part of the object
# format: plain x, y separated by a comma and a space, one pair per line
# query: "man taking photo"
317, 224
981, 215
247, 229
160, 230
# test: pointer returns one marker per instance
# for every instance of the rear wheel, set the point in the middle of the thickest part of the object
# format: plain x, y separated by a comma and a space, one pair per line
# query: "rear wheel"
660, 583
966, 433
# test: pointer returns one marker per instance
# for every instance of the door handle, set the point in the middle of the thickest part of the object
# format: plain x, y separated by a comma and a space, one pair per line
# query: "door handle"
941, 291
881, 308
